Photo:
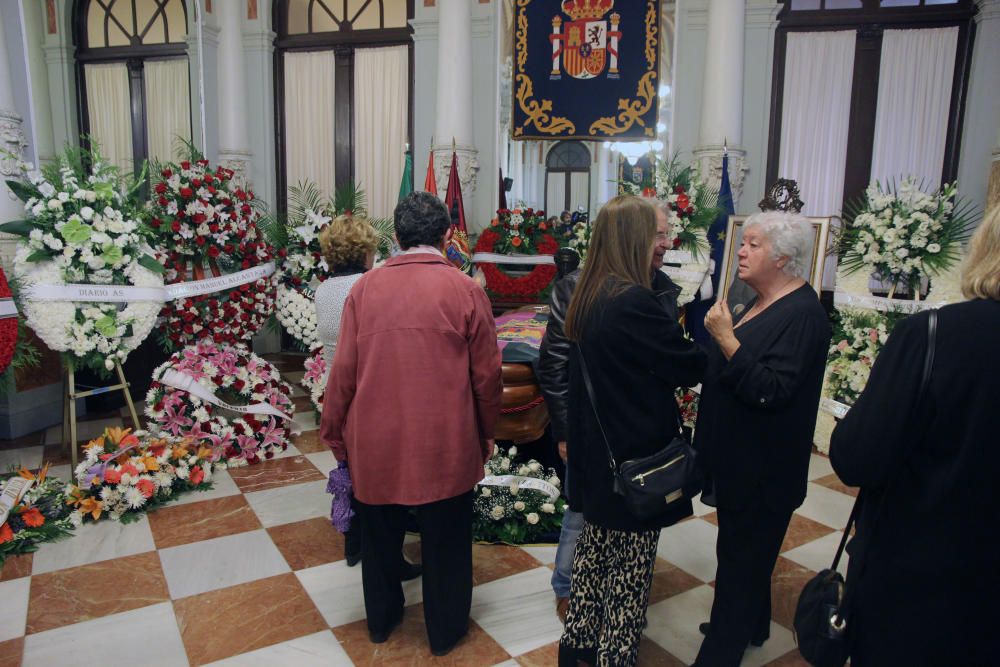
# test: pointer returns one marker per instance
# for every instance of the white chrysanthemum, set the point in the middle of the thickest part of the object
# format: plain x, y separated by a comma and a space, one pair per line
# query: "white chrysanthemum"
134, 498
296, 311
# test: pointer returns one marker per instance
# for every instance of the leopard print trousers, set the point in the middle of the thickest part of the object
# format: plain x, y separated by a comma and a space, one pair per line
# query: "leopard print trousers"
612, 574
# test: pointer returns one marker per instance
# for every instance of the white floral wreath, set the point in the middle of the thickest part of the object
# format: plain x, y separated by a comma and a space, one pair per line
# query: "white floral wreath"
295, 309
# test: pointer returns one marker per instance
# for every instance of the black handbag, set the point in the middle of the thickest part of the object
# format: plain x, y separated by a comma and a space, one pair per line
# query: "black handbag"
823, 610
653, 485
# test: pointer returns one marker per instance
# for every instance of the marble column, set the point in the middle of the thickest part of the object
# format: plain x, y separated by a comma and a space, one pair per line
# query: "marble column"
258, 48
234, 142
12, 144
454, 97
722, 95
203, 61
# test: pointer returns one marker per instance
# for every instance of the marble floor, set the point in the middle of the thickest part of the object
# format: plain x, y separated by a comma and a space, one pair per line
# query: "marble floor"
251, 573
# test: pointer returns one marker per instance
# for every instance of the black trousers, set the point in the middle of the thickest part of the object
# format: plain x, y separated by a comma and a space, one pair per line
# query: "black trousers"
747, 548
446, 556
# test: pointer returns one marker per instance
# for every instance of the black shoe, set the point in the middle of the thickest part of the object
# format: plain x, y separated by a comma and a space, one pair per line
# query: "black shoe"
439, 652
705, 628
408, 570
381, 637
352, 559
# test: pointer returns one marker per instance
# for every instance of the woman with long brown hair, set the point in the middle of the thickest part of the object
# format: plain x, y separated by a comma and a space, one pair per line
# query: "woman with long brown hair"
636, 356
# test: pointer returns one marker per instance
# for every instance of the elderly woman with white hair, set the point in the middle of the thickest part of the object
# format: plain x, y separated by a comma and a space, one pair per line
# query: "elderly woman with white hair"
755, 424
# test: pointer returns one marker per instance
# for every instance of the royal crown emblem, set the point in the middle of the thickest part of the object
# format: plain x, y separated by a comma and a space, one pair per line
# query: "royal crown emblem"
585, 44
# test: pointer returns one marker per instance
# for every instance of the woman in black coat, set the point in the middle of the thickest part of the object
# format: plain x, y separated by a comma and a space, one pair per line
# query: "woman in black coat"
755, 424
636, 357
924, 559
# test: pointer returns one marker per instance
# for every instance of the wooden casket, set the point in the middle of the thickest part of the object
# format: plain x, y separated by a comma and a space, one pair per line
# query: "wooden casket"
523, 415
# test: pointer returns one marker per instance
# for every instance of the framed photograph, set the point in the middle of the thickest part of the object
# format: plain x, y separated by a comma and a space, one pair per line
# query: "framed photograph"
738, 292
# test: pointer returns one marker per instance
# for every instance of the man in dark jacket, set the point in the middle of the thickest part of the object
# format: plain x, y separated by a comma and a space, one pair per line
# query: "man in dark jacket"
553, 378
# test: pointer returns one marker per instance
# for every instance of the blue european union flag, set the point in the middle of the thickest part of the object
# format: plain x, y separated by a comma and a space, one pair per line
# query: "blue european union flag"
696, 311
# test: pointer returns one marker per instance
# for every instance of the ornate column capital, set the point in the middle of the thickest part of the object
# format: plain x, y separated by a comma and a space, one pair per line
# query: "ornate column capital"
12, 144
239, 162
468, 168
709, 159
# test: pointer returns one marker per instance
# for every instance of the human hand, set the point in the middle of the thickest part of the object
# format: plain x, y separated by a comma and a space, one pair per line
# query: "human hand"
562, 450
719, 321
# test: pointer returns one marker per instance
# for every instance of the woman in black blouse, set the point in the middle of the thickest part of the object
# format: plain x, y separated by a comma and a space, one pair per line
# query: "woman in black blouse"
755, 424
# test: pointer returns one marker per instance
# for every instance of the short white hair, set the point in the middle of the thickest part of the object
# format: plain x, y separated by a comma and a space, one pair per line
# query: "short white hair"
790, 235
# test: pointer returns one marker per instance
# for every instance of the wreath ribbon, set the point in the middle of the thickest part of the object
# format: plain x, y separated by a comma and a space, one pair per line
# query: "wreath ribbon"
130, 293
184, 382
522, 482
882, 303
7, 308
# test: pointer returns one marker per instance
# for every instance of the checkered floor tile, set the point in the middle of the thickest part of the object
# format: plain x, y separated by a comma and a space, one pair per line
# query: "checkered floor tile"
252, 573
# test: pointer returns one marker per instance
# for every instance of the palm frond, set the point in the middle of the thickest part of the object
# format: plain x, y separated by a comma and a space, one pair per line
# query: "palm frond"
385, 229
303, 197
349, 197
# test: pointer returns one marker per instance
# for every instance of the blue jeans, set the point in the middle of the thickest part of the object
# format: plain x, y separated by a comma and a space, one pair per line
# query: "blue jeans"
572, 525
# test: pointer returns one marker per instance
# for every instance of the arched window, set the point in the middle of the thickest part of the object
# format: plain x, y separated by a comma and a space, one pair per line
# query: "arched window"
132, 77
567, 177
343, 81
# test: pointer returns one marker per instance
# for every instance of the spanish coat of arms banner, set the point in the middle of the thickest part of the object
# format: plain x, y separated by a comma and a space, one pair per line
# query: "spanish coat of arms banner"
586, 69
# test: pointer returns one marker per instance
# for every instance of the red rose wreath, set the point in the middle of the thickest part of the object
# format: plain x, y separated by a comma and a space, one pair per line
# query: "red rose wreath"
207, 227
531, 285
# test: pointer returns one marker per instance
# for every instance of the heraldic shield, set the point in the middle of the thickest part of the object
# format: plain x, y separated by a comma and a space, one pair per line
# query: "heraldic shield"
584, 45
585, 69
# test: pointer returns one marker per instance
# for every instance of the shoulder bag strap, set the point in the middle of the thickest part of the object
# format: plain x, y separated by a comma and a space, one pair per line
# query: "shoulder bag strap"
593, 405
925, 380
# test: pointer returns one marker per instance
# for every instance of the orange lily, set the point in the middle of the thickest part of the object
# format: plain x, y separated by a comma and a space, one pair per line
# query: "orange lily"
39, 478
91, 506
204, 452
179, 452
75, 496
151, 463
120, 437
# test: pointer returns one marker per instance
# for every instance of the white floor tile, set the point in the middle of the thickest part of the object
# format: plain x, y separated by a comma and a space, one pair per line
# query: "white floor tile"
221, 562
324, 461
13, 607
518, 611
690, 545
144, 636
294, 502
222, 487
318, 650
673, 623
336, 591
700, 508
544, 555
818, 554
84, 430
95, 542
819, 466
23, 457
508, 663
306, 421
827, 506
289, 452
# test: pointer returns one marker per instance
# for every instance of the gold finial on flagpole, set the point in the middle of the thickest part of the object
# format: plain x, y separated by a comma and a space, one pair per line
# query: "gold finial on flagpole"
453, 143
725, 146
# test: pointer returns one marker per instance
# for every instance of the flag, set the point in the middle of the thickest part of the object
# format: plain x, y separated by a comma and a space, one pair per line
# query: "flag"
453, 198
696, 311
430, 185
406, 185
503, 192
457, 251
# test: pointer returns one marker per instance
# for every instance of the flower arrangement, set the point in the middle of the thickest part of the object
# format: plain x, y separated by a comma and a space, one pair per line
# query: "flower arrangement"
857, 339
40, 515
314, 379
203, 218
516, 503
580, 241
302, 265
236, 378
518, 230
83, 227
521, 231
687, 403
903, 234
693, 206
123, 476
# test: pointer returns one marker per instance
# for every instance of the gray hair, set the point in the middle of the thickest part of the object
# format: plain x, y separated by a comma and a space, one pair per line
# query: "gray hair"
790, 235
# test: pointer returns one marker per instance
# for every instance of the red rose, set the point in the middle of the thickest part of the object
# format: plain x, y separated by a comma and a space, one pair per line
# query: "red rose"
213, 251
200, 240
187, 193
166, 173
185, 165
160, 188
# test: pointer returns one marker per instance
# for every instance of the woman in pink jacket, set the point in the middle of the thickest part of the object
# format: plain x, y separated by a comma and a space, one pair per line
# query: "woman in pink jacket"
411, 404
